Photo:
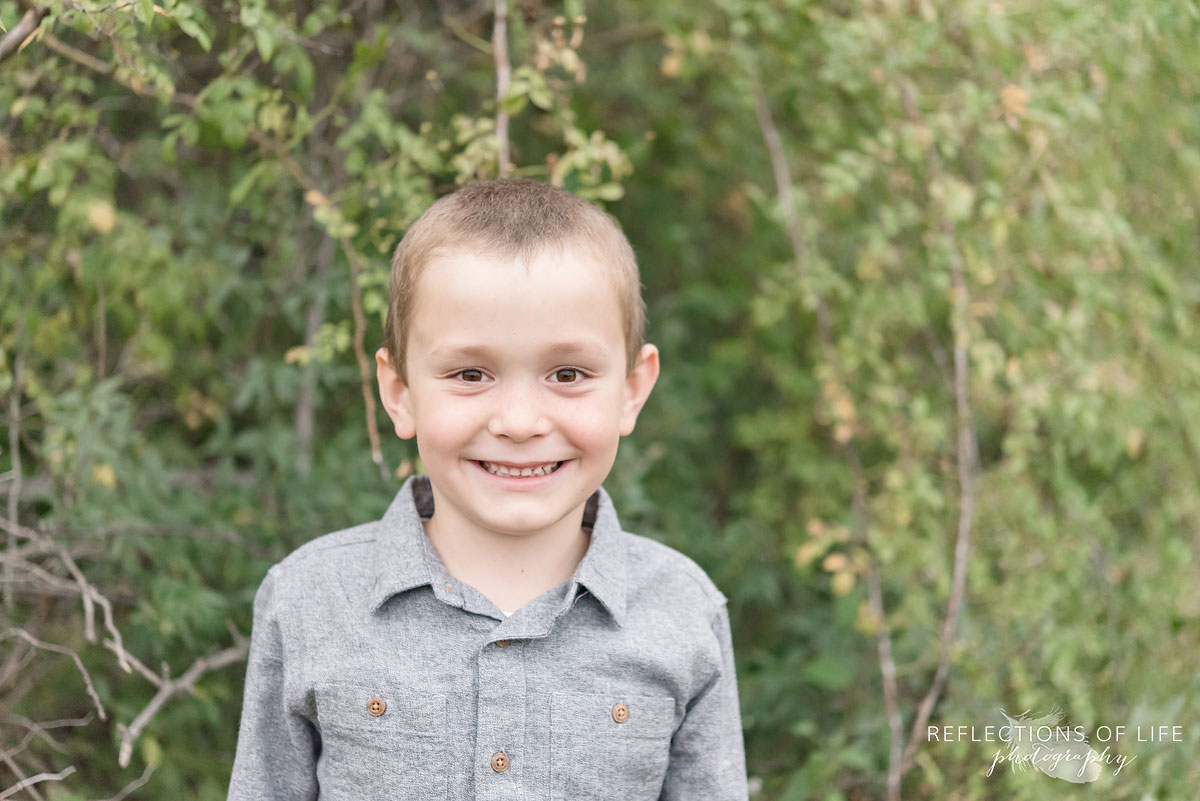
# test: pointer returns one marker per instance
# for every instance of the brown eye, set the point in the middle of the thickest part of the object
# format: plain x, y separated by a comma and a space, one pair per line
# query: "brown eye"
472, 376
567, 375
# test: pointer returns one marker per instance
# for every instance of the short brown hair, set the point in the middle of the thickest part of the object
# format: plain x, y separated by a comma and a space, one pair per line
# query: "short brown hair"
513, 218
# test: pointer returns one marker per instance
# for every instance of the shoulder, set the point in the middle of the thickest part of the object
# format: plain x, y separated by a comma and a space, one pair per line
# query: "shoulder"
340, 555
668, 575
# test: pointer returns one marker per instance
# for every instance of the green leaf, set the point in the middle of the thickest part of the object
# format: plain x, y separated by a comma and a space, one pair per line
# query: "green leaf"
608, 191
829, 672
515, 103
196, 31
265, 41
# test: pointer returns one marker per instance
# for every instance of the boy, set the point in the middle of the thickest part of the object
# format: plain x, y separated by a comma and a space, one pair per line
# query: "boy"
496, 635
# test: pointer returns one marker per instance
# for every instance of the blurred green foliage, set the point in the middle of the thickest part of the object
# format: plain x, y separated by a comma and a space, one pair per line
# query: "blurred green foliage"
187, 191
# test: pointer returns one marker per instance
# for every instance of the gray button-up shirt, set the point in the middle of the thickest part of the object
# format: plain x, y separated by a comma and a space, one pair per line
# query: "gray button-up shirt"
374, 674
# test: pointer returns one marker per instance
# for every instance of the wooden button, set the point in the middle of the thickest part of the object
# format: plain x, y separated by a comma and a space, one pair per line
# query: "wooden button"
502, 643
377, 706
499, 761
620, 713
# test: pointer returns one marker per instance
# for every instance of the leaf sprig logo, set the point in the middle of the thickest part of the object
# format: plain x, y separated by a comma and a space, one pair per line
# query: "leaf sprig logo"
1041, 744
1062, 752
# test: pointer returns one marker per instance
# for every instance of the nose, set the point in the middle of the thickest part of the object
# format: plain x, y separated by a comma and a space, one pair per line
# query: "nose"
519, 413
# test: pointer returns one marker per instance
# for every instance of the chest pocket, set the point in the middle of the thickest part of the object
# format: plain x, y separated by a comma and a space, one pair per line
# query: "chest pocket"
377, 742
609, 746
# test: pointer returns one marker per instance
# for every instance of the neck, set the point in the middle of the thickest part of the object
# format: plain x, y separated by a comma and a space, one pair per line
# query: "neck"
509, 569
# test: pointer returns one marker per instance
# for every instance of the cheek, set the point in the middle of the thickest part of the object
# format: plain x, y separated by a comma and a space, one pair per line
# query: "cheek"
444, 425
596, 426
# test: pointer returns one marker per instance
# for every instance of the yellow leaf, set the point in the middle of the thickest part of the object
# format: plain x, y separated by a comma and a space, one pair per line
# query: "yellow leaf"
843, 408
671, 65
152, 752
1135, 438
807, 552
866, 622
835, 562
1014, 99
297, 355
105, 476
102, 216
841, 583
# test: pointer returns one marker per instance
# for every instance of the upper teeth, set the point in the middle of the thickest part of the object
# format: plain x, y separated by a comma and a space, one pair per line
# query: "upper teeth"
501, 470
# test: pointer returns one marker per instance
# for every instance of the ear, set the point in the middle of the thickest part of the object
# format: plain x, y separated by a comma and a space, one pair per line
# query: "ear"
637, 387
397, 400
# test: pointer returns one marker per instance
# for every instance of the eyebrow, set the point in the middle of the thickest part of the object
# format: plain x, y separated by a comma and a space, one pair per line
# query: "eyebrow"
582, 348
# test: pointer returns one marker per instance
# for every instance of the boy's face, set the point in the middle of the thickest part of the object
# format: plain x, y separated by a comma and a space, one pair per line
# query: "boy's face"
512, 369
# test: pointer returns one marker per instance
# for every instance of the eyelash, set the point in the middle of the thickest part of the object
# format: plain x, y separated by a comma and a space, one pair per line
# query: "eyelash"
580, 375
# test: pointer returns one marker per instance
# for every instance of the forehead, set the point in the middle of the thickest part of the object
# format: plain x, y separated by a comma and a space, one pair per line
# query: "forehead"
466, 294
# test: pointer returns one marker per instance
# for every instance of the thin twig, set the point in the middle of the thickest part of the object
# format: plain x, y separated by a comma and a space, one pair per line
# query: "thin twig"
14, 448
21, 776
860, 523
459, 30
313, 318
133, 785
34, 729
41, 777
85, 594
170, 687
133, 662
966, 446
787, 202
364, 364
78, 56
503, 76
87, 591
60, 649
316, 198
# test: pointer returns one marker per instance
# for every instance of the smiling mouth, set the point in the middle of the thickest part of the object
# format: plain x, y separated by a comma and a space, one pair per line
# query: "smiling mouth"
533, 471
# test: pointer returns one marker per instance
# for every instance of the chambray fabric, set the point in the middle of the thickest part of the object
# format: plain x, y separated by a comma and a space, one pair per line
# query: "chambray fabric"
371, 611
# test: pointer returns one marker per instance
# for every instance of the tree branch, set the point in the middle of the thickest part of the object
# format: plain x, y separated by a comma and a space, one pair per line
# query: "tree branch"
60, 649
503, 76
787, 202
966, 447
133, 785
14, 448
34, 729
901, 753
78, 56
316, 198
15, 39
364, 365
170, 687
41, 777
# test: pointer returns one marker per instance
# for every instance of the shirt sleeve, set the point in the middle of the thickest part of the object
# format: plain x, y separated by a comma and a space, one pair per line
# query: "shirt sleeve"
708, 757
276, 748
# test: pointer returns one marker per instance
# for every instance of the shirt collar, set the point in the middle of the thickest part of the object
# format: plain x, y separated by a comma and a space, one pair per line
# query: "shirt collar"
407, 556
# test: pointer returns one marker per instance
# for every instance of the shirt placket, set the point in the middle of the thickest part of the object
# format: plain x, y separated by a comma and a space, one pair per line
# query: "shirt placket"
505, 768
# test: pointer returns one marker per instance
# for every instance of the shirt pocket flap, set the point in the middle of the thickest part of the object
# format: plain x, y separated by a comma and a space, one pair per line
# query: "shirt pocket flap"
347, 709
642, 716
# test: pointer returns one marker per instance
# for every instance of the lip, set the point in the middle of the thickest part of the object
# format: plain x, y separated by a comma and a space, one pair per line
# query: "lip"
527, 483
